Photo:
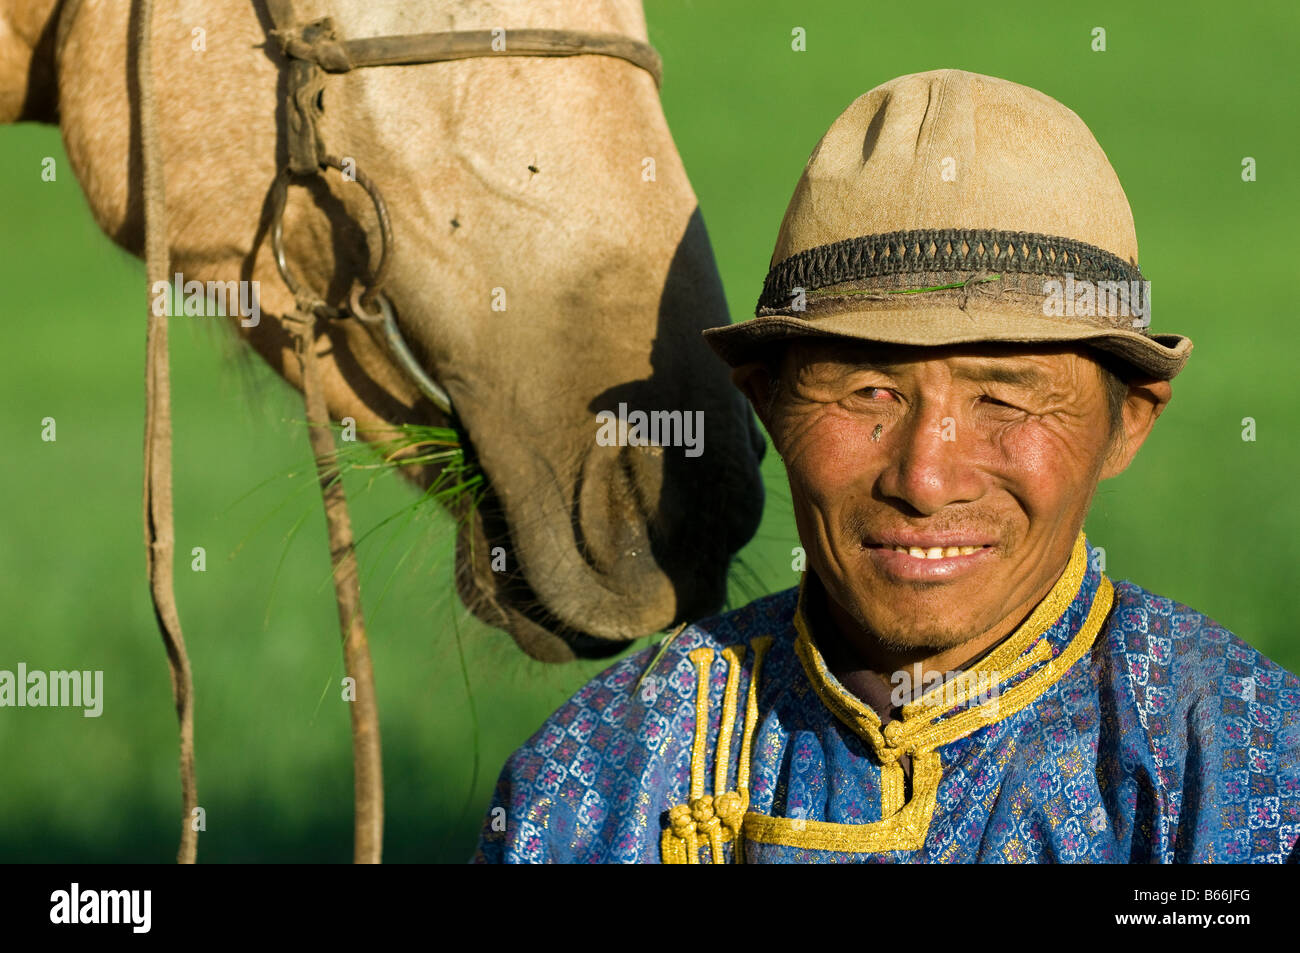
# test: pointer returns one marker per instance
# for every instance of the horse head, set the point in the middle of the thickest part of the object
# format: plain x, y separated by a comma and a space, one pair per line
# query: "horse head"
549, 268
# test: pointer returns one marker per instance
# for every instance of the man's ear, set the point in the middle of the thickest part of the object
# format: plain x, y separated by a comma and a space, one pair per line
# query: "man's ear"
756, 382
1146, 401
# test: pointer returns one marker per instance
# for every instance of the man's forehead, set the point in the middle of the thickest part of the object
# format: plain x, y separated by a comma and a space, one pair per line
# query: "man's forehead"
1011, 363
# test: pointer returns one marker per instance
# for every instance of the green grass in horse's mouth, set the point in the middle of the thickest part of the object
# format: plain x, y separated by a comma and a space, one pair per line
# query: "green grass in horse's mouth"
413, 445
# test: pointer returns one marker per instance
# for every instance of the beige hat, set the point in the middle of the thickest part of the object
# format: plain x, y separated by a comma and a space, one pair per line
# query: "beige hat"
949, 207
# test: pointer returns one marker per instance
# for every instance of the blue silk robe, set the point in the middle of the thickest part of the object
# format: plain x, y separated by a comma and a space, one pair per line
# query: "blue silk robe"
1113, 726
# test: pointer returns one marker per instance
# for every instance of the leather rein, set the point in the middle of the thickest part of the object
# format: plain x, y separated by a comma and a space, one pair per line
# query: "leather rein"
313, 50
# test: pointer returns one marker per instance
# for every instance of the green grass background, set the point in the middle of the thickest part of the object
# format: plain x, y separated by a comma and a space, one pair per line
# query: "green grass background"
1182, 93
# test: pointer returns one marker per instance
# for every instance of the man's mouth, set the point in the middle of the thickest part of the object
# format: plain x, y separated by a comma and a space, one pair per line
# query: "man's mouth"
935, 552
933, 559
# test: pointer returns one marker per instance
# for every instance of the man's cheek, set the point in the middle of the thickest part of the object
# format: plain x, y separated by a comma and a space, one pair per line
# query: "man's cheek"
833, 453
1045, 467
1047, 447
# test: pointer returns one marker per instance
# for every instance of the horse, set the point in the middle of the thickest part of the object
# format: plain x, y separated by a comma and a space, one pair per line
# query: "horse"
548, 265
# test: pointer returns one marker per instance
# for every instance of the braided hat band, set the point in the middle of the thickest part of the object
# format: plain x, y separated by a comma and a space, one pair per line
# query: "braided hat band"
908, 287
950, 259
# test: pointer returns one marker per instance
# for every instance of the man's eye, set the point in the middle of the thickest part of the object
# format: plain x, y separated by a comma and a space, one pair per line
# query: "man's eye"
998, 403
876, 393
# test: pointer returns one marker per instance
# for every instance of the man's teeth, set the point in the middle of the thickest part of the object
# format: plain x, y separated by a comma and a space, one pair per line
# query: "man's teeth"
937, 552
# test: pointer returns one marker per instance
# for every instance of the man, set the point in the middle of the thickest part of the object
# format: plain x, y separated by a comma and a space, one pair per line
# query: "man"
951, 349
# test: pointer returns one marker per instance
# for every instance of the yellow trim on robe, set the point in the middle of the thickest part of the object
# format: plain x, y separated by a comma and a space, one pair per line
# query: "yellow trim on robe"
1019, 696
703, 661
718, 817
904, 826
906, 830
761, 645
735, 656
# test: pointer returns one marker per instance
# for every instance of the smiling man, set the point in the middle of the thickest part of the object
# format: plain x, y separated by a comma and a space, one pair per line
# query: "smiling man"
932, 547
951, 350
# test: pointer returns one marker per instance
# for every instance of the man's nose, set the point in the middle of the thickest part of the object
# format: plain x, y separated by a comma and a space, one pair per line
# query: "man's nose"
929, 466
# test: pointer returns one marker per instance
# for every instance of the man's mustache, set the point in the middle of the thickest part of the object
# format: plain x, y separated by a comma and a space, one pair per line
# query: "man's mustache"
876, 526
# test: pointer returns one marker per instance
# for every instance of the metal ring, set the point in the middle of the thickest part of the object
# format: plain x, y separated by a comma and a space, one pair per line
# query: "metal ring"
279, 199
385, 225
382, 326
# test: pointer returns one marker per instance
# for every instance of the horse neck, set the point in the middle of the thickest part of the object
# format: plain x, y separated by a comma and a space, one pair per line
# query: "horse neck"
28, 80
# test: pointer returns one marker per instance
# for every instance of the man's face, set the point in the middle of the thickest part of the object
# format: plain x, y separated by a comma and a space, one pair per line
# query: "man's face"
939, 492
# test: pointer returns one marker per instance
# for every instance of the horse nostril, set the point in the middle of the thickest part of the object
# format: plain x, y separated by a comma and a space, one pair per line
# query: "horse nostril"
611, 509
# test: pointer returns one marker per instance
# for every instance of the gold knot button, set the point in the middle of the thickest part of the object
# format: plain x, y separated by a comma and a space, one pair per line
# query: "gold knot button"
731, 808
705, 820
682, 823
702, 809
895, 733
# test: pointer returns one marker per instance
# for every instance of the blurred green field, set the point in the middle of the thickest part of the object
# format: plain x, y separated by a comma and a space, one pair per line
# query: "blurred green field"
1202, 516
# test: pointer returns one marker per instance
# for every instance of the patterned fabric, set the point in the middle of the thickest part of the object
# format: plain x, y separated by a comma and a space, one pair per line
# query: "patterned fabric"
1168, 740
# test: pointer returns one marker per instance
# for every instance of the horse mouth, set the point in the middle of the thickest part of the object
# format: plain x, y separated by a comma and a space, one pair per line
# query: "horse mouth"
540, 633
507, 600
563, 593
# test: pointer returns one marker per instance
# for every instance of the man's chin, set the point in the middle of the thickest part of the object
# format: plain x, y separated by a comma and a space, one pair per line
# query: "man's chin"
930, 615
918, 634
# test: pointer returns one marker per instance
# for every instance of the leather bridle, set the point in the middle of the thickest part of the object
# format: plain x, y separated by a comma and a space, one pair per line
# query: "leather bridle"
313, 50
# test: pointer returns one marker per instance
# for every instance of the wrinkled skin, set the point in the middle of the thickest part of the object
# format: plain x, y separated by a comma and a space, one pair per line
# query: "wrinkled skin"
996, 446
518, 174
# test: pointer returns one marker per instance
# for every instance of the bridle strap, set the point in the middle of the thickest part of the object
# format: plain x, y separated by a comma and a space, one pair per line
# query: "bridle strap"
367, 761
340, 56
159, 525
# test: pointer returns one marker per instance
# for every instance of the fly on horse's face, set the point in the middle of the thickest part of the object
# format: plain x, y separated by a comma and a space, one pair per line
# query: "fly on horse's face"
549, 263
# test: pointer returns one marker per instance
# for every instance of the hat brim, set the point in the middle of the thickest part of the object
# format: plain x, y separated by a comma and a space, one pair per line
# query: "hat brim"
1155, 356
